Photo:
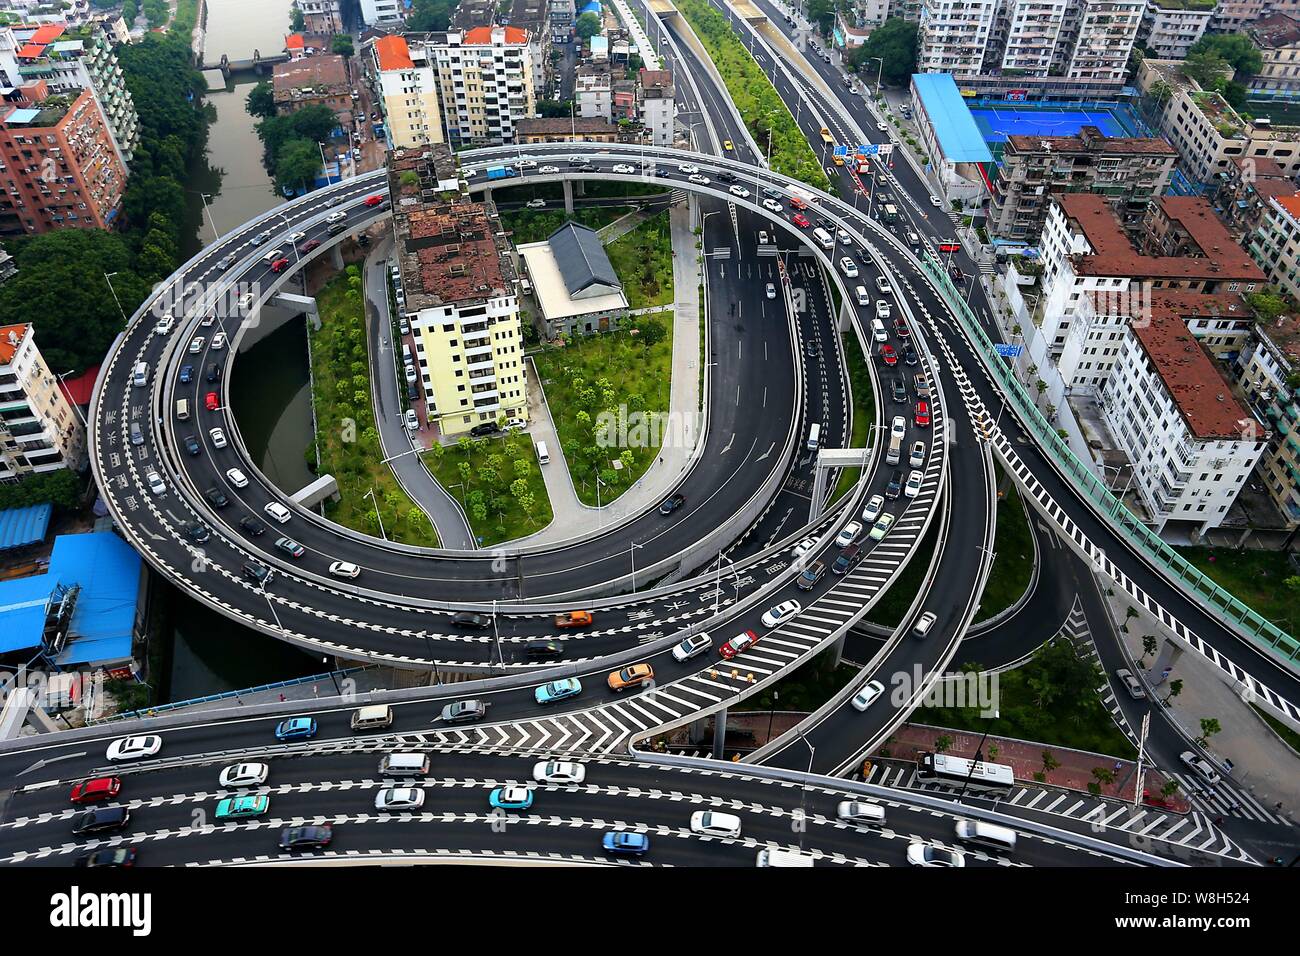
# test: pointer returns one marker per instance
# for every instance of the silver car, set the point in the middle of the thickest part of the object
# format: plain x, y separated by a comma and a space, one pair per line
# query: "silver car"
399, 798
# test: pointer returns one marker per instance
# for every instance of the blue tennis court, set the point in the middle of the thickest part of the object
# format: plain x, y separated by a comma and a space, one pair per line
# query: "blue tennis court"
997, 123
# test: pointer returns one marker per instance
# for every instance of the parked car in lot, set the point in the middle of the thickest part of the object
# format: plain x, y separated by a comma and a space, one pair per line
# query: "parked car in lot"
558, 690
693, 646
781, 613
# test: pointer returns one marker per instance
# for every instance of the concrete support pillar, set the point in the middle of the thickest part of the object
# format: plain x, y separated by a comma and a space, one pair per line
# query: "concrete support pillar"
582, 187
719, 733
487, 194
818, 493
836, 650
693, 207
336, 256
568, 197
846, 317
695, 731
1159, 672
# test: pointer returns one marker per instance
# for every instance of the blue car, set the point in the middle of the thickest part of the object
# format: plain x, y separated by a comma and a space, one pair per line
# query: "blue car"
558, 690
296, 728
512, 798
623, 843
187, 374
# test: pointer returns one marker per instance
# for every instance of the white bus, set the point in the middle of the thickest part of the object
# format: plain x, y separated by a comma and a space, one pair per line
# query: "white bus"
957, 771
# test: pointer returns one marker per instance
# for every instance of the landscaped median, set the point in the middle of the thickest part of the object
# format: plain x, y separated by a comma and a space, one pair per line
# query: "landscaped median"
498, 482
609, 395
346, 437
755, 98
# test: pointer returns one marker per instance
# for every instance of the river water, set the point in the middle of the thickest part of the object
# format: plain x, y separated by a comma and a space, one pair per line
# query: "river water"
238, 27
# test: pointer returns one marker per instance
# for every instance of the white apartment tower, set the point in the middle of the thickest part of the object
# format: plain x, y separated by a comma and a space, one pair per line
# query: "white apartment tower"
39, 429
954, 35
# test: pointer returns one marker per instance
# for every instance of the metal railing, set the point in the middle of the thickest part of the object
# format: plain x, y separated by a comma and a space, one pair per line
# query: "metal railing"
1182, 572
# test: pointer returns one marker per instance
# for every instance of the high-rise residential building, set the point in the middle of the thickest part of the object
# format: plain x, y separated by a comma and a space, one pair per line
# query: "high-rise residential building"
1171, 27
1275, 243
68, 61
1277, 38
593, 91
1230, 16
954, 35
461, 295
1269, 370
1099, 35
1026, 33
58, 166
1128, 172
408, 90
562, 15
485, 82
39, 429
384, 13
658, 109
321, 16
1242, 197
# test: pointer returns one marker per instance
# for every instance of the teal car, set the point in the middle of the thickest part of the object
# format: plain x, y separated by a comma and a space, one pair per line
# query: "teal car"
239, 808
558, 690
511, 798
296, 728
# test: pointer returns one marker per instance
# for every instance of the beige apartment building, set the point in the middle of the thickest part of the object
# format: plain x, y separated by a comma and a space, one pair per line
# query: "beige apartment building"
39, 429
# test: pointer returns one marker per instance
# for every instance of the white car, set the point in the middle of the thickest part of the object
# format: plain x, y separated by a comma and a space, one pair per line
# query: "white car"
771, 290
218, 437
740, 191
804, 546
883, 127
410, 374
857, 811
917, 458
878, 331
778, 615
133, 748
849, 267
713, 824
164, 325
237, 477
913, 486
155, 483
920, 853
883, 309
296, 237
898, 428
219, 340
848, 535
1131, 683
688, 168
536, 204
548, 170
515, 425
412, 422
559, 771
196, 345
399, 798
699, 180
277, 511
772, 205
693, 646
342, 569
623, 168
526, 164
1201, 766
244, 775
875, 505
867, 695
882, 286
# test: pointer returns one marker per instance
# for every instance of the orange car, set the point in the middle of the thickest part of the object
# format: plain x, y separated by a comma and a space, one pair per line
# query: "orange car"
573, 619
633, 676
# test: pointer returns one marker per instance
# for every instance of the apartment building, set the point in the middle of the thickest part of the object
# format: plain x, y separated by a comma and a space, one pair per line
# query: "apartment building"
39, 429
1208, 133
562, 14
1026, 34
1230, 16
1277, 38
384, 13
70, 60
1243, 194
461, 295
321, 16
71, 12
1269, 372
408, 93
658, 106
1275, 244
1097, 38
485, 83
58, 166
1128, 172
1191, 439
954, 35
1172, 27
593, 91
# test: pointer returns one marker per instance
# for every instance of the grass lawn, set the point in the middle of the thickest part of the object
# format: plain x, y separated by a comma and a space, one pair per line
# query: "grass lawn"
534, 225
1014, 562
606, 372
891, 607
345, 420
1282, 730
864, 407
1256, 578
643, 260
1049, 700
806, 689
499, 484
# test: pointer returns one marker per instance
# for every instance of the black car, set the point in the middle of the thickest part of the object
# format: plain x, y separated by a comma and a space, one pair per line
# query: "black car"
252, 526
306, 838
471, 619
187, 374
101, 820
671, 504
772, 193
846, 559
256, 573
825, 223
216, 497
543, 650
214, 372
197, 533
727, 176
895, 486
118, 856
363, 240
487, 428
900, 391
663, 171
192, 446
909, 354
463, 712
811, 575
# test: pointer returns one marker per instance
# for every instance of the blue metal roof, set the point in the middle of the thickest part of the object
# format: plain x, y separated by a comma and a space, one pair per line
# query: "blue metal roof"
959, 137
20, 526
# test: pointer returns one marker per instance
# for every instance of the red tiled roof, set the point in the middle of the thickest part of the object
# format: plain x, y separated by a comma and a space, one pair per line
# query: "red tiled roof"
1291, 204
294, 41
482, 36
80, 389
31, 51
393, 53
48, 33
7, 348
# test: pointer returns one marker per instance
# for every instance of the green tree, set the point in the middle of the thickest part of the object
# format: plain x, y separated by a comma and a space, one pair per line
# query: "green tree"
650, 333
342, 44
554, 109
588, 26
894, 42
1206, 68
1236, 49
261, 100
297, 164
430, 15
1209, 727
296, 20
1266, 305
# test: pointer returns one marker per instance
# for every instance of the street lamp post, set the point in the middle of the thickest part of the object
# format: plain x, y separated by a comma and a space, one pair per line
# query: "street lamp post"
496, 637
379, 517
338, 690
108, 277
632, 551
803, 788
208, 209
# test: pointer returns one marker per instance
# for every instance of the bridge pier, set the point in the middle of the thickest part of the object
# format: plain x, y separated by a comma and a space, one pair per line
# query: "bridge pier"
1159, 672
693, 208
719, 733
828, 458
846, 317
568, 197
336, 257
301, 303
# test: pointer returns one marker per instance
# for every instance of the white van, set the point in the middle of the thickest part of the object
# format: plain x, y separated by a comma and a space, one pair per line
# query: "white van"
988, 835
273, 255
183, 409
141, 377
860, 293
543, 456
770, 856
878, 330
404, 765
823, 238
845, 238
895, 450
372, 718
814, 436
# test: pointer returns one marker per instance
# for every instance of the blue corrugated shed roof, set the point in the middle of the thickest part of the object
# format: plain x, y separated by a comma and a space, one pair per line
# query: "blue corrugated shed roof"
20, 526
108, 571
959, 137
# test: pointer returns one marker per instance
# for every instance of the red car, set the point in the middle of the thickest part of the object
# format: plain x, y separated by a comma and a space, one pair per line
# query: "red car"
900, 327
800, 220
309, 245
889, 355
100, 788
279, 265
797, 203
923, 414
738, 645
212, 401
374, 200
